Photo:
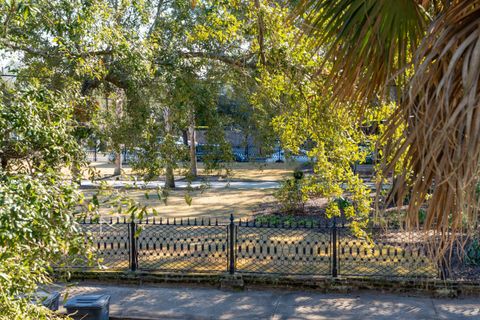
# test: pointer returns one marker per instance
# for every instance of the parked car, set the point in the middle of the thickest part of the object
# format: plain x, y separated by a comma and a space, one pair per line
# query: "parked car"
280, 156
215, 153
240, 157
127, 155
212, 151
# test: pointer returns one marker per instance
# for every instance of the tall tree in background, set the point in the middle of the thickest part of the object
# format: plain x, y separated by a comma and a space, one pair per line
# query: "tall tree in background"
304, 118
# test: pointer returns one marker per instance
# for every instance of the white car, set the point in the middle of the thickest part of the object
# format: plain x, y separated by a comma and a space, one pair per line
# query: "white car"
279, 156
127, 156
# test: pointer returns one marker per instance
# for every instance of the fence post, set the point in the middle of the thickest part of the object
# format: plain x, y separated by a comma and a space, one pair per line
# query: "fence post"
444, 274
95, 154
334, 248
133, 246
231, 253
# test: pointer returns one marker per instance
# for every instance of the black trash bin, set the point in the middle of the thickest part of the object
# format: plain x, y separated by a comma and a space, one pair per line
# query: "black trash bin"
89, 307
46, 299
51, 301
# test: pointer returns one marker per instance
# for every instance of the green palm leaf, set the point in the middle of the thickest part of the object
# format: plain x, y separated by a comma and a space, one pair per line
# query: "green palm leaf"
442, 113
367, 41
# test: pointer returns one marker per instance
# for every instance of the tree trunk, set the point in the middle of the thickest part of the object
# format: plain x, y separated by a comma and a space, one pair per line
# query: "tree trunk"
4, 163
169, 175
193, 153
185, 137
247, 148
261, 32
120, 98
169, 178
118, 163
76, 173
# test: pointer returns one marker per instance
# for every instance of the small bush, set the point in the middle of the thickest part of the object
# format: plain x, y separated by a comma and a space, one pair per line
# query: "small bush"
422, 215
285, 220
290, 194
472, 253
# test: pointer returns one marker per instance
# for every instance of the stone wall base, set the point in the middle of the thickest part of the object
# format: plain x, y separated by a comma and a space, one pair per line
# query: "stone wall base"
430, 287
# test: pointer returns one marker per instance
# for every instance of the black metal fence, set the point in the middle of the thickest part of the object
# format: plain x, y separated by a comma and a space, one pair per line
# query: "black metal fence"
95, 155
293, 248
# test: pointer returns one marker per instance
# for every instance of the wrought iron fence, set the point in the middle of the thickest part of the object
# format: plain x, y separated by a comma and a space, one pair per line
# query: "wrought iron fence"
190, 246
111, 242
294, 248
95, 155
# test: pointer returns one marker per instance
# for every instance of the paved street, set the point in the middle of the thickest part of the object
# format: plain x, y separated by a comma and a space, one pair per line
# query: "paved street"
195, 184
199, 303
184, 184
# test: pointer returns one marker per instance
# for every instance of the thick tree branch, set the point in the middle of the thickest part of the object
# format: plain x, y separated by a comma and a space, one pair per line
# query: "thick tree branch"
50, 52
156, 19
261, 32
234, 61
13, 46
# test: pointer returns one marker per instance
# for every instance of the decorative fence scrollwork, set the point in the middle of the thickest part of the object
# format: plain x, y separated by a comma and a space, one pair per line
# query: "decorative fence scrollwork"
293, 249
393, 253
189, 247
206, 246
110, 242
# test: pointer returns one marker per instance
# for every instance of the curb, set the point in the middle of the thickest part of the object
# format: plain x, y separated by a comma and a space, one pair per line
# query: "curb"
429, 287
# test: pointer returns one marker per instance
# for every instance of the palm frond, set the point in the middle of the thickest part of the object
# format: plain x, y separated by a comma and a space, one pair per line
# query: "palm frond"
440, 147
367, 41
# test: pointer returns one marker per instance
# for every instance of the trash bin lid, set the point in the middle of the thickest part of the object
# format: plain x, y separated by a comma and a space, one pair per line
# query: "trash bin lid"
50, 297
45, 298
88, 301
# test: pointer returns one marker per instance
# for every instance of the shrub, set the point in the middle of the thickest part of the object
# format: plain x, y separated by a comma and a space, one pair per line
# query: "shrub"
290, 194
37, 229
472, 252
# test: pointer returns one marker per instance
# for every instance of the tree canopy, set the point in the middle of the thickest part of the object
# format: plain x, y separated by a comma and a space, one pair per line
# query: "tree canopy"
165, 67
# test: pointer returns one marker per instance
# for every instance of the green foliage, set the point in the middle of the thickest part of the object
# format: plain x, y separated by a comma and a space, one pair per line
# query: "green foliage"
290, 194
164, 64
169, 60
374, 39
289, 220
242, 116
37, 206
37, 130
422, 215
37, 229
157, 150
472, 252
218, 151
306, 116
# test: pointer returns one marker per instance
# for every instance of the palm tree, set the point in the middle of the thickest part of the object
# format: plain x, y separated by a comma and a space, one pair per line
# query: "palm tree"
430, 49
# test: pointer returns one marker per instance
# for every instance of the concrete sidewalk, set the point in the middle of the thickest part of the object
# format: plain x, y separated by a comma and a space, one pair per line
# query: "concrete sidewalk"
193, 302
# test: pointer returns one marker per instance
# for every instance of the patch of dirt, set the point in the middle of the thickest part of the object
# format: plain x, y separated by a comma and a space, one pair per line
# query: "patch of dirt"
210, 203
460, 271
313, 208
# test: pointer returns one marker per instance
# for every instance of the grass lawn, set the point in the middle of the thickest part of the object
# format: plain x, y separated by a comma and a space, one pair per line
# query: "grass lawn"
211, 203
239, 171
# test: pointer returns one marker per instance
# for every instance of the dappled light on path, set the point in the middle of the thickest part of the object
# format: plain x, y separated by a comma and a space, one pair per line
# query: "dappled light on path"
192, 302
